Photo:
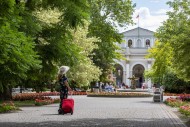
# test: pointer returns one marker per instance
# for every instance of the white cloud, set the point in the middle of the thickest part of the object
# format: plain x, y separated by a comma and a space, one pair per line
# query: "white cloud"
147, 20
162, 11
154, 1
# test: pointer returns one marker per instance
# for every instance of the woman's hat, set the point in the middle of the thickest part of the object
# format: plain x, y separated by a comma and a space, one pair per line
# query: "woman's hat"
63, 69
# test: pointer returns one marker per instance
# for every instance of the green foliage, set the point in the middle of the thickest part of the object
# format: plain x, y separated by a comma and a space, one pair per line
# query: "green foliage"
171, 66
38, 36
175, 31
162, 54
185, 112
24, 103
175, 102
84, 71
49, 23
173, 84
7, 107
104, 14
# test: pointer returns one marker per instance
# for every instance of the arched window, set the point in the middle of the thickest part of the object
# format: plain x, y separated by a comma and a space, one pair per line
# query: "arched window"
130, 43
147, 42
138, 43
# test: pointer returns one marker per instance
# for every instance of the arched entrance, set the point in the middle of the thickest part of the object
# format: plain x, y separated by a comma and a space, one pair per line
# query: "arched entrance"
118, 74
138, 71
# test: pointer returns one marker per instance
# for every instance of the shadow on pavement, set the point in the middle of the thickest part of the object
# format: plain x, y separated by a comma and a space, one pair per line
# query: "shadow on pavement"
149, 102
113, 122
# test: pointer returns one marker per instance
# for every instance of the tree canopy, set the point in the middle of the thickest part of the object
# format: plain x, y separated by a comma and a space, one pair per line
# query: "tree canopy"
39, 36
172, 48
104, 17
175, 31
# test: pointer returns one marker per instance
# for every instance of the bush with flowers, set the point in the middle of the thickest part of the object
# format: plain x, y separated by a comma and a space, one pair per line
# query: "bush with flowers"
185, 109
174, 102
182, 102
7, 107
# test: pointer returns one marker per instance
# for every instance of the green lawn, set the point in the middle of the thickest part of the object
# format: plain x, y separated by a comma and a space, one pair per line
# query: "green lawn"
22, 103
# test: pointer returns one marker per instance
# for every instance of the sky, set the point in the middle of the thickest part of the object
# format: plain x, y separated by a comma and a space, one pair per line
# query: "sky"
151, 13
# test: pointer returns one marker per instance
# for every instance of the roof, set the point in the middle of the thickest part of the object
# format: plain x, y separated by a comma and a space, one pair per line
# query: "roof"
139, 28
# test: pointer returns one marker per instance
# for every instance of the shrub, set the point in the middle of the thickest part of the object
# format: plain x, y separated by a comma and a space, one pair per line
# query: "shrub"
174, 102
185, 110
6, 107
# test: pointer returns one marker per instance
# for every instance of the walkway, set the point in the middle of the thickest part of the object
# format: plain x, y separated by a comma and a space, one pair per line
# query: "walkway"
96, 112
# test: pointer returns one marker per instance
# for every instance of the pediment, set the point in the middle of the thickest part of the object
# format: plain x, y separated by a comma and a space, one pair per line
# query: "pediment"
138, 31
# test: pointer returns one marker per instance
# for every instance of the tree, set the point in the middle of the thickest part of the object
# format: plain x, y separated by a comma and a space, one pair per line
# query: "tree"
105, 14
162, 54
176, 32
18, 19
84, 71
17, 50
45, 42
171, 66
51, 22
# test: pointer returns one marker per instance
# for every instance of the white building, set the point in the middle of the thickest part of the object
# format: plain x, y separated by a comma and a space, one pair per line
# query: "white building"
135, 48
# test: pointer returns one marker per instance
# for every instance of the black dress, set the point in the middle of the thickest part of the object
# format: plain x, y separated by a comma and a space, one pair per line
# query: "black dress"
63, 89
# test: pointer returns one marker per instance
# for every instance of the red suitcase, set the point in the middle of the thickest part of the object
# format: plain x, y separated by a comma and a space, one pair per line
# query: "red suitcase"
67, 106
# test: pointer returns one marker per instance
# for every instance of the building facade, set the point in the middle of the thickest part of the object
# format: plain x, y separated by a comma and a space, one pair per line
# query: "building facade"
135, 47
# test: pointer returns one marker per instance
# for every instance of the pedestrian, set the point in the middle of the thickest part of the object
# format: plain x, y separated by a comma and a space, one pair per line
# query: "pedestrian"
63, 82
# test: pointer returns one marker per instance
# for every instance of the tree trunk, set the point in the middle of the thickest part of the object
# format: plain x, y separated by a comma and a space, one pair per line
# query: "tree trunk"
6, 94
20, 88
51, 85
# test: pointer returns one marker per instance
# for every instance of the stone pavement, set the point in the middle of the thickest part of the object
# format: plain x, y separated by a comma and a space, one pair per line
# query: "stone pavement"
96, 112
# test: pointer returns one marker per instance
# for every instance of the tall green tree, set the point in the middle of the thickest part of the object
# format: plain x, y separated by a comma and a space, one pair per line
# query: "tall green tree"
176, 32
52, 40
162, 54
49, 23
171, 65
105, 14
17, 50
84, 72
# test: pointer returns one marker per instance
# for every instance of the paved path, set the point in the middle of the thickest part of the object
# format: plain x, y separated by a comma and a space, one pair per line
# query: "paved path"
96, 112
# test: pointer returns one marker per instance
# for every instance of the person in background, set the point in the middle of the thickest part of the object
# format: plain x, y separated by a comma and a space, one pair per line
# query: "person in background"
153, 87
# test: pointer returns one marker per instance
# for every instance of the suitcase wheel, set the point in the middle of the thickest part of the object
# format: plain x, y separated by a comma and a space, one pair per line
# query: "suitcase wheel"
71, 112
60, 111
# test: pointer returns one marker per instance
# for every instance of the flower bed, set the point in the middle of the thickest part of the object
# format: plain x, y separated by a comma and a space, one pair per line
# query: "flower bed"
112, 94
181, 102
174, 102
185, 109
40, 102
33, 96
7, 107
174, 94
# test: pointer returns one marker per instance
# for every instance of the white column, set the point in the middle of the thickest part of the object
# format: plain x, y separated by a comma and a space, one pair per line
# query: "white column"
127, 74
124, 77
134, 43
143, 42
151, 44
149, 66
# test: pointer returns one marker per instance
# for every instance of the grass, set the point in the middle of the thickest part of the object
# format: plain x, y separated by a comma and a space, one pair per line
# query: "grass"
21, 103
24, 103
10, 106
